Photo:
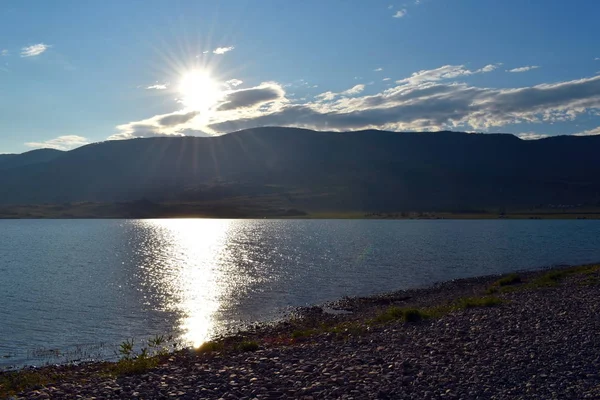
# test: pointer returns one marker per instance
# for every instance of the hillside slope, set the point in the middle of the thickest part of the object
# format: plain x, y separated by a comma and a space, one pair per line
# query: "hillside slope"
365, 171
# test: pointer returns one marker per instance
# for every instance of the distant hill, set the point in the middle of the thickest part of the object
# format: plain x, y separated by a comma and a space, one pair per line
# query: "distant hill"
306, 170
31, 157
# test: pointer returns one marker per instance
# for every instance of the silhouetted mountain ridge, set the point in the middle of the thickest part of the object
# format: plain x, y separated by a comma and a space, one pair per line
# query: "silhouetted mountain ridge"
366, 171
31, 157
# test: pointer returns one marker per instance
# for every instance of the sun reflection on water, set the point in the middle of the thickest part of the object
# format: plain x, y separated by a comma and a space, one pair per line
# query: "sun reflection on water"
183, 271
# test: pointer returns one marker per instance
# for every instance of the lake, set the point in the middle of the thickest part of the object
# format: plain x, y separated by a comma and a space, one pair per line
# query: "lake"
77, 288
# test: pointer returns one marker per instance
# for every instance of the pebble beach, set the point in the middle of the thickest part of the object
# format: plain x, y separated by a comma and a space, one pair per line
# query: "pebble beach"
540, 341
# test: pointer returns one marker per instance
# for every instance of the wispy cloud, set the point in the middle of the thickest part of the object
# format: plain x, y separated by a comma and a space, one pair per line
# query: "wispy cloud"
487, 68
386, 79
66, 142
378, 69
223, 50
158, 86
524, 69
444, 72
234, 82
400, 13
4, 53
34, 50
329, 96
356, 89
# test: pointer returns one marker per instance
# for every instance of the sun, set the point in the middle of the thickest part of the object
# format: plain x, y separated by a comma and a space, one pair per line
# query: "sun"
199, 91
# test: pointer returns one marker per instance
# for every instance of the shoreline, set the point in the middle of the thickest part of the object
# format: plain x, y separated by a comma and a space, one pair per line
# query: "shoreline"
356, 321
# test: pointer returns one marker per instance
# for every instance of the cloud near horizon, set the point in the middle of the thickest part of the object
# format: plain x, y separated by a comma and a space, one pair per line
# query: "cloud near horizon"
531, 136
591, 132
427, 100
34, 50
66, 142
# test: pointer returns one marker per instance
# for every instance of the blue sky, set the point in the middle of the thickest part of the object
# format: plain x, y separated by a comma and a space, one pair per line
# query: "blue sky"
74, 72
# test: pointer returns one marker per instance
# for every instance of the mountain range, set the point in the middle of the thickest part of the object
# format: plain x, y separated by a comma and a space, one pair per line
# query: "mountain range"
304, 170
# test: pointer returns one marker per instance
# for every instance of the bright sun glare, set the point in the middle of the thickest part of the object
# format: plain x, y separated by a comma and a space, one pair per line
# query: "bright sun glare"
199, 90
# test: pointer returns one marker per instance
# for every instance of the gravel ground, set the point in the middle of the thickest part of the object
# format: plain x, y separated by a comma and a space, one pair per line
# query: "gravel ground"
540, 344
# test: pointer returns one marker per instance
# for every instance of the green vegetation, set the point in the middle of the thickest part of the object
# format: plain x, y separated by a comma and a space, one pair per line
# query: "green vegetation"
248, 346
502, 284
473, 302
211, 346
553, 278
415, 315
508, 280
14, 382
404, 314
303, 333
145, 359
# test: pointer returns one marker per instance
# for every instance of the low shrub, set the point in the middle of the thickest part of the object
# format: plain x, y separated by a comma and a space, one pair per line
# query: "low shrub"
248, 346
473, 302
405, 314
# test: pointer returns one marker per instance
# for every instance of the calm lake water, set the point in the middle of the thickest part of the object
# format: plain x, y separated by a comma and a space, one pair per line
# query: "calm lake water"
73, 288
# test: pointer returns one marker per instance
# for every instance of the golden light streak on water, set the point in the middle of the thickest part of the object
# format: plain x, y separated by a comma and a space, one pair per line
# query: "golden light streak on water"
188, 273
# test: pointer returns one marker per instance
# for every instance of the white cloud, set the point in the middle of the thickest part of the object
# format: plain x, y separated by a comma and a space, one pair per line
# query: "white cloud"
524, 69
444, 72
591, 132
240, 103
4, 53
531, 136
158, 86
234, 82
390, 7
386, 79
400, 13
378, 69
487, 68
34, 50
223, 50
356, 89
327, 96
246, 98
433, 99
66, 142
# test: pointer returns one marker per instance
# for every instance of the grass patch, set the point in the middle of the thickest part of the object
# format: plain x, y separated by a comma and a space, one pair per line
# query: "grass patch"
248, 346
553, 278
12, 383
403, 314
305, 333
209, 347
511, 279
133, 366
475, 302
503, 283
